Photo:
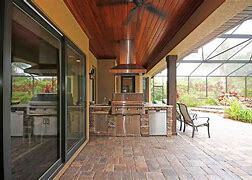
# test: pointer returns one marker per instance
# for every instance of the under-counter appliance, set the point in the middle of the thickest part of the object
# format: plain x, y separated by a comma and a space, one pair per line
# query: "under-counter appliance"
157, 123
17, 123
43, 112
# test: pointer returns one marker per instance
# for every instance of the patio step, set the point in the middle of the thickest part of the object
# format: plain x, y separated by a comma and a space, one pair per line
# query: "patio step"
209, 109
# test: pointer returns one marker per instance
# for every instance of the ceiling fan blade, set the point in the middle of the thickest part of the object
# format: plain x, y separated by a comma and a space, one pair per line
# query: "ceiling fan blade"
131, 14
138, 2
151, 8
112, 2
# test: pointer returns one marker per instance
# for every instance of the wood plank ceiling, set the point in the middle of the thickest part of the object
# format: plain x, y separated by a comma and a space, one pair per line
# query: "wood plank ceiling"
105, 26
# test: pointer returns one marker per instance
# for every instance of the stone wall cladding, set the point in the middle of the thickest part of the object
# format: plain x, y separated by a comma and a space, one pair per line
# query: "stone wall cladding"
169, 121
91, 122
111, 126
144, 124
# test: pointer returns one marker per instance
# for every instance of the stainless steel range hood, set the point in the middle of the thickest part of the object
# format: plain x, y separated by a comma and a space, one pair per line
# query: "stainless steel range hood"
127, 62
42, 70
47, 61
128, 69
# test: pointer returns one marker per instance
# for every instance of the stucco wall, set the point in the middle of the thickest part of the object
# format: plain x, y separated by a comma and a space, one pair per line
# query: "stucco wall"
139, 84
92, 60
60, 15
106, 80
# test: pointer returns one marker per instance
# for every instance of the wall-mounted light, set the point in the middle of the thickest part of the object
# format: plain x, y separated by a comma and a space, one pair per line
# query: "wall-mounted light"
92, 74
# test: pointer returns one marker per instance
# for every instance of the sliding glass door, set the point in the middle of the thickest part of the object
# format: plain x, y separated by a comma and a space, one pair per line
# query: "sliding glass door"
5, 66
34, 116
75, 93
43, 94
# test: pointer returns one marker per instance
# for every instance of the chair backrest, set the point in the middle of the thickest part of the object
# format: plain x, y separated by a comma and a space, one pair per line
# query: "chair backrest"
178, 116
184, 112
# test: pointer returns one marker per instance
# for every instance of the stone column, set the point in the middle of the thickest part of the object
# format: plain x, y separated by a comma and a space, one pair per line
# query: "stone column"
172, 88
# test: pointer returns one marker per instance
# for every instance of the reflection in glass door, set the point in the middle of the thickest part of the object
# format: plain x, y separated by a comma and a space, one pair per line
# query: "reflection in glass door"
75, 83
35, 103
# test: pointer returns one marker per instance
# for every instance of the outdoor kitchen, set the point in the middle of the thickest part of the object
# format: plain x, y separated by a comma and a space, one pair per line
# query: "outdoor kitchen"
38, 117
38, 94
125, 110
128, 115
34, 119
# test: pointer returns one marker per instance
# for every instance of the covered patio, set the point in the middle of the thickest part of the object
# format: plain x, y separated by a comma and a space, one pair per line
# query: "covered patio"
80, 97
227, 155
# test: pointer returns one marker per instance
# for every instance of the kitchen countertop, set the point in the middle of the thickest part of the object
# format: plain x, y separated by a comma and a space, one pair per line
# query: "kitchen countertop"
100, 105
147, 105
29, 106
20, 105
151, 105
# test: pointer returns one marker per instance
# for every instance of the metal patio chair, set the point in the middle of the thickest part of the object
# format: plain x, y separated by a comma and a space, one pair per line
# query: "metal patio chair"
194, 121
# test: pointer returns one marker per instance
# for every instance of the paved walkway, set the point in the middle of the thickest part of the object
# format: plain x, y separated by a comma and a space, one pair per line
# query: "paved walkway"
226, 155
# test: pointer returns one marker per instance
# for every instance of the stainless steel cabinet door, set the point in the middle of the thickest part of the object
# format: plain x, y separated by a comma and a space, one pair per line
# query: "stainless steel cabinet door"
132, 125
157, 122
120, 125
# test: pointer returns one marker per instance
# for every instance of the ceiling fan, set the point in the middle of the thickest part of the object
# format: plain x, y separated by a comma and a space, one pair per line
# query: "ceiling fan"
139, 5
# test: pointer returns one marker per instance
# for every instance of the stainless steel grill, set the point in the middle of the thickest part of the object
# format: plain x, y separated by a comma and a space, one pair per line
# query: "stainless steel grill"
42, 112
127, 103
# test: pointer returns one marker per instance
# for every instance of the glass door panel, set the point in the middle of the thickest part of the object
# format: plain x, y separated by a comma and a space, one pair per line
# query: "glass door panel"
75, 83
34, 122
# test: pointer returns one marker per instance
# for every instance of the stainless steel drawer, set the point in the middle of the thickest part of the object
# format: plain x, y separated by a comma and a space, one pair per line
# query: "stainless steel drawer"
127, 110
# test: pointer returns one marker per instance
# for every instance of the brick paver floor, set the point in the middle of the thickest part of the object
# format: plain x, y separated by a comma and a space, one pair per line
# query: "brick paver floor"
226, 155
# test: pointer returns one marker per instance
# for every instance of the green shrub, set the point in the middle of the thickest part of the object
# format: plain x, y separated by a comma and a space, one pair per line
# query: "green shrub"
193, 100
22, 97
211, 101
190, 100
249, 93
239, 112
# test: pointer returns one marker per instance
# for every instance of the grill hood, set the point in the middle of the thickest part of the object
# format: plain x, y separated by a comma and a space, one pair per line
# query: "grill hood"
127, 62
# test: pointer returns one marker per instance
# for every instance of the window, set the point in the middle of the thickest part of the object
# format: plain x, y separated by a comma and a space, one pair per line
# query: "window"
128, 84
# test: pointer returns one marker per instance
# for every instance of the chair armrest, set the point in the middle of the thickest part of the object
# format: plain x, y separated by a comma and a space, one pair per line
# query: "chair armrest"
202, 118
194, 115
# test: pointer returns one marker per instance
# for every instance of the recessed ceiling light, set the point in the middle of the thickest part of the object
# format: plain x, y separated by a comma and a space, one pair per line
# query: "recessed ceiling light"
77, 60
